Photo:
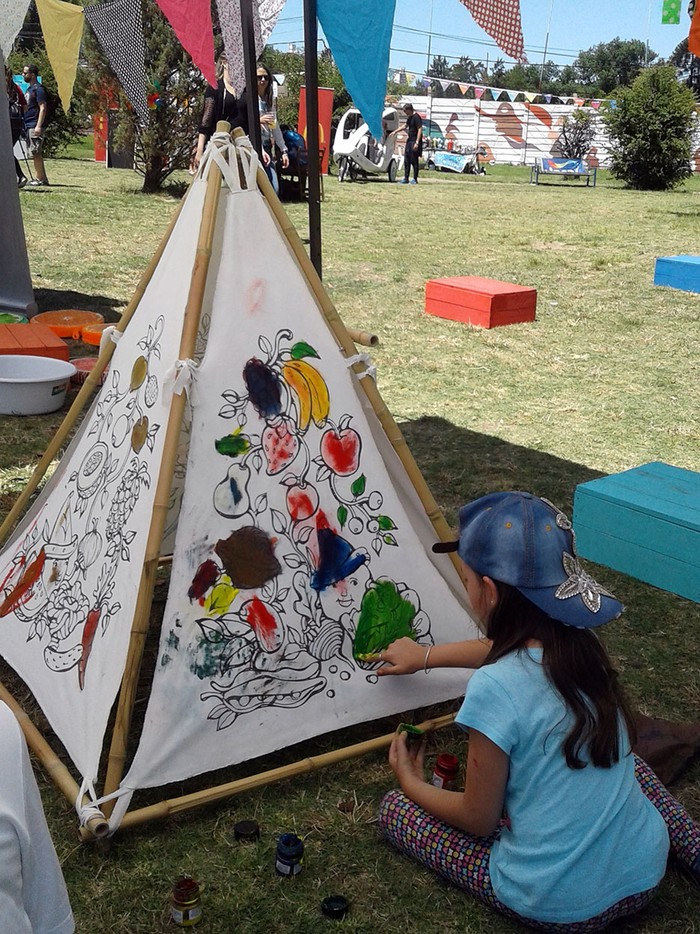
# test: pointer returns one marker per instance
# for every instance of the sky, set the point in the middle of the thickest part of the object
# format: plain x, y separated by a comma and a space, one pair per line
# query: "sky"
575, 25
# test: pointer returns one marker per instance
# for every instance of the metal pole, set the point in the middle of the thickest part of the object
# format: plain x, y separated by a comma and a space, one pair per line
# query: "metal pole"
546, 45
312, 140
251, 81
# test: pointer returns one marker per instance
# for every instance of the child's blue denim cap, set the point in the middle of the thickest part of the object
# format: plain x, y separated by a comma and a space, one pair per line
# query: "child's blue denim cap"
525, 541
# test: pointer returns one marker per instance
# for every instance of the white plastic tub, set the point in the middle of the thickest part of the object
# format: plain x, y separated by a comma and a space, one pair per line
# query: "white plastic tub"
32, 385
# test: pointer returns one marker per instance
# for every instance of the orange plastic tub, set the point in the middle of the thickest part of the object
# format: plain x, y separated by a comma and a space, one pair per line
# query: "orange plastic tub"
92, 333
68, 322
83, 367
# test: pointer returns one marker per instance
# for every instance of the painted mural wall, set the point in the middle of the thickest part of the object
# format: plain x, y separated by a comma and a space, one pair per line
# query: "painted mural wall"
513, 133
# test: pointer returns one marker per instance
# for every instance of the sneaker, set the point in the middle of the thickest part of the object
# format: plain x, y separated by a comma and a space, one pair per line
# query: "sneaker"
35, 183
414, 181
403, 181
21, 182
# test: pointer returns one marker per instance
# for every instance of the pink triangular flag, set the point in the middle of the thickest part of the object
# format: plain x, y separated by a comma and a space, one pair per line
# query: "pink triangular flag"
191, 20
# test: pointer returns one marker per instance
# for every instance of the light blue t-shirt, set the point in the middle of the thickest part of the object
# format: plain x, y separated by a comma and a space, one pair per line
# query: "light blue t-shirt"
579, 840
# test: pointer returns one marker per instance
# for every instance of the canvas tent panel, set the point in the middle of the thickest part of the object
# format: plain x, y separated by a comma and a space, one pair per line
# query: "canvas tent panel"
296, 545
69, 576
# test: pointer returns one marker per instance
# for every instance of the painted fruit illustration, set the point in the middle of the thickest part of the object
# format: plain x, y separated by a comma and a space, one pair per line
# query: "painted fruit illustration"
340, 450
231, 495
139, 372
139, 433
151, 393
302, 502
311, 392
264, 388
280, 445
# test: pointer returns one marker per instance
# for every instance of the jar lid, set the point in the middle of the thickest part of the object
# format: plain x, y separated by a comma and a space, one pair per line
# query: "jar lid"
335, 906
246, 830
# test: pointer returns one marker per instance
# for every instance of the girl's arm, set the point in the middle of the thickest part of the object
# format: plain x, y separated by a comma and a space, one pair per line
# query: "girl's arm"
405, 656
476, 810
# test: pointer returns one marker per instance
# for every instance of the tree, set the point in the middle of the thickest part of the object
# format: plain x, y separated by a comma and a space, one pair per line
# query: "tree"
175, 88
576, 134
687, 65
650, 131
613, 64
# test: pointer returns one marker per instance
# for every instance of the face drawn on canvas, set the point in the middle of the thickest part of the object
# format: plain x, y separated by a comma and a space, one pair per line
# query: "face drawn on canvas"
266, 641
62, 577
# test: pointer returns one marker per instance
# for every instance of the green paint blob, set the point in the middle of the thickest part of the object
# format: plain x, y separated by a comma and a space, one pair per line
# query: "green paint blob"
384, 617
205, 663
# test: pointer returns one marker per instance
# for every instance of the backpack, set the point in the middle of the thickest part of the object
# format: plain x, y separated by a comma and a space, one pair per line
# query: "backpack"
51, 105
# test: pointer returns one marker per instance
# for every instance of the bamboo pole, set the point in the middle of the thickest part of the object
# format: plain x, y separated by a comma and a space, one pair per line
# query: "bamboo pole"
144, 599
391, 429
86, 389
365, 338
173, 806
52, 765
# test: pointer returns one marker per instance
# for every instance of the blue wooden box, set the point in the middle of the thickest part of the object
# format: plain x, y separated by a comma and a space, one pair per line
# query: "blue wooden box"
678, 272
644, 522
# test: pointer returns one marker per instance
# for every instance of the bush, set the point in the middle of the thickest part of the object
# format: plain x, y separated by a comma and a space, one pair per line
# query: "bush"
576, 135
650, 130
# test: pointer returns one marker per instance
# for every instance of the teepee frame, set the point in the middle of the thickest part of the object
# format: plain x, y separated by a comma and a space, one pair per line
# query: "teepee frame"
96, 824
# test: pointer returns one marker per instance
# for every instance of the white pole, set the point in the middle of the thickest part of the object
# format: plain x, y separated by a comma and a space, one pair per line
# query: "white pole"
546, 43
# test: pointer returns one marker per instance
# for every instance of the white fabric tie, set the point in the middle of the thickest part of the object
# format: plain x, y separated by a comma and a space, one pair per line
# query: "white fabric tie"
226, 153
181, 377
111, 333
370, 370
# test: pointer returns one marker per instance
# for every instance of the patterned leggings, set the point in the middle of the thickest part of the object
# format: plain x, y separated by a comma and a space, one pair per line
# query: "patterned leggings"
464, 859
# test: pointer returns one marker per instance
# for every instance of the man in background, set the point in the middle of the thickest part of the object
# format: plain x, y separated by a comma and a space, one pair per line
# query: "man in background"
414, 145
34, 122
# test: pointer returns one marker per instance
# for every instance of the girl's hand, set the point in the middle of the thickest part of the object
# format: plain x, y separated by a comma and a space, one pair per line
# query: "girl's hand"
266, 157
406, 763
267, 119
402, 657
285, 160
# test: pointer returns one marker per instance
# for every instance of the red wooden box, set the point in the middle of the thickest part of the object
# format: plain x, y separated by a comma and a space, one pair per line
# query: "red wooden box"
483, 302
34, 340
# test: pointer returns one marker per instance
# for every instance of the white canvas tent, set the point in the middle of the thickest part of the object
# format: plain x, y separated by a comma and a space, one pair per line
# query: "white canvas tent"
239, 431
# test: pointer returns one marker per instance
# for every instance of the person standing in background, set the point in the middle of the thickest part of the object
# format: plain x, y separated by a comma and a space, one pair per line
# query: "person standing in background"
414, 145
269, 126
34, 120
33, 896
220, 103
17, 105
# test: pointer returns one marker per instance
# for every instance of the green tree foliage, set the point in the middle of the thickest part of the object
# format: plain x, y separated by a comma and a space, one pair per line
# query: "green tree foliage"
175, 88
688, 67
613, 64
30, 49
291, 65
650, 130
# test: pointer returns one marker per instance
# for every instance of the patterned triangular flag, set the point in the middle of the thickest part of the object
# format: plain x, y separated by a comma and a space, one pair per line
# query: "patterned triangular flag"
671, 12
265, 13
118, 27
12, 13
191, 22
62, 27
501, 20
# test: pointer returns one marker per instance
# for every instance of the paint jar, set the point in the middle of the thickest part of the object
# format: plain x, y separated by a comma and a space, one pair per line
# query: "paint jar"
335, 906
289, 855
246, 831
186, 902
446, 770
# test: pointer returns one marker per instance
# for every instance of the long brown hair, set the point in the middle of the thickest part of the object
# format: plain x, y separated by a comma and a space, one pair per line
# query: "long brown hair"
577, 665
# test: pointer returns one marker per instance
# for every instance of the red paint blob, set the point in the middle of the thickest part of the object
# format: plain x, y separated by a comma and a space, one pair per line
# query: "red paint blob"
264, 624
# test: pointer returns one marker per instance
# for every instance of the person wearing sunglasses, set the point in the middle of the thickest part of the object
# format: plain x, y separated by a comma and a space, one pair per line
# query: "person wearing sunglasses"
272, 138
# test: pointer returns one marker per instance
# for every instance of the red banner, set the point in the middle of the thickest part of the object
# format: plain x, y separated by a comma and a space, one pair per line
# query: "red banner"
191, 21
325, 113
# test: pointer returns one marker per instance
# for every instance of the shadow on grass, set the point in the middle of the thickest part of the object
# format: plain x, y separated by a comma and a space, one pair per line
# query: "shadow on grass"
460, 465
60, 299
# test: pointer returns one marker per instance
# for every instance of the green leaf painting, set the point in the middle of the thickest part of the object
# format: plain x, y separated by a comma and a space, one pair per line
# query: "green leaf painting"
384, 617
358, 487
301, 350
342, 515
232, 445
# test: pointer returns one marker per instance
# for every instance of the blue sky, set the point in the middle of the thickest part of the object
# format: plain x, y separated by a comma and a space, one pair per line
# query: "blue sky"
575, 25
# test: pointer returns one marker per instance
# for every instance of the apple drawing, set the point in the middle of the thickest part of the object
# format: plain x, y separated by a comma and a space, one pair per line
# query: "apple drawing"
302, 502
340, 450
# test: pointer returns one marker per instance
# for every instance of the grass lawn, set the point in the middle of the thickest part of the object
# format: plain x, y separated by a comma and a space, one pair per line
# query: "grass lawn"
606, 378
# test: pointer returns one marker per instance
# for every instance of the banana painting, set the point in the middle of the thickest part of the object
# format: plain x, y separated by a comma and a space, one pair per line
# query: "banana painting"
311, 391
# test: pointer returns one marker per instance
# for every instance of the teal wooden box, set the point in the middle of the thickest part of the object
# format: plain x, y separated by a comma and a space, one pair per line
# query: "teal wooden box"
644, 522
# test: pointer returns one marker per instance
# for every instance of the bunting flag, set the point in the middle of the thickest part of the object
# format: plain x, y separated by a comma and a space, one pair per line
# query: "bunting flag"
191, 21
671, 12
463, 87
62, 26
232, 33
118, 27
694, 36
359, 35
479, 93
12, 13
501, 20
595, 104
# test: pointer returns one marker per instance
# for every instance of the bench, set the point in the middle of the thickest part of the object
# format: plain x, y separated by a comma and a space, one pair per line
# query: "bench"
644, 522
568, 168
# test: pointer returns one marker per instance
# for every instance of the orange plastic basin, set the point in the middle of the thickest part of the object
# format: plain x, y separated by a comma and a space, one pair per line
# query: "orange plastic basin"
92, 333
83, 367
68, 322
